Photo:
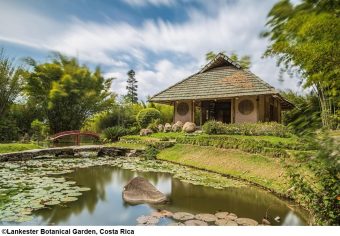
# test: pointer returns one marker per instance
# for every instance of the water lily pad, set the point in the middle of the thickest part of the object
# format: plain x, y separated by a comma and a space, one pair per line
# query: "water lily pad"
52, 203
74, 194
83, 189
68, 199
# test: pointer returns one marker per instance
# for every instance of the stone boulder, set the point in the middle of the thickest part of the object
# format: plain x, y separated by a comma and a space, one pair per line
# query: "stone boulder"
206, 217
246, 222
195, 223
176, 128
183, 216
167, 128
179, 123
145, 132
189, 127
139, 190
160, 128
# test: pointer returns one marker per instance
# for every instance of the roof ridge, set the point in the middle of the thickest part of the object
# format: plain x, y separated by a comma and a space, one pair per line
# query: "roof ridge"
218, 56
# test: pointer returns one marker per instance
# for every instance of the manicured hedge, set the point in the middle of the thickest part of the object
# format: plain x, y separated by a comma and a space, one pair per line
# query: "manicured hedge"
256, 129
147, 116
247, 145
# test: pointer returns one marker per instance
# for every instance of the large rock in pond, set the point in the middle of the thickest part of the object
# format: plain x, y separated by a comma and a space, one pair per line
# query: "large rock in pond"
139, 190
189, 127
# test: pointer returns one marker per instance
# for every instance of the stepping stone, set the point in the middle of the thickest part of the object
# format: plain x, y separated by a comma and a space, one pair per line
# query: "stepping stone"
231, 216
246, 222
183, 216
231, 223
162, 213
147, 220
206, 217
225, 222
195, 223
222, 215
176, 224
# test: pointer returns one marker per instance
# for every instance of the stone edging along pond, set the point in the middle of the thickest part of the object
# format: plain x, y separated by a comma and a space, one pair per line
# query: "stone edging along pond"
72, 151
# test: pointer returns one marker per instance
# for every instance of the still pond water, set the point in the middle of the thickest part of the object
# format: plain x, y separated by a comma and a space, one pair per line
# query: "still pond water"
103, 205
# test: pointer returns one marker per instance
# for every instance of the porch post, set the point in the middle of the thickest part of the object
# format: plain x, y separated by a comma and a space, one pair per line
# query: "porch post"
200, 106
193, 111
174, 115
233, 118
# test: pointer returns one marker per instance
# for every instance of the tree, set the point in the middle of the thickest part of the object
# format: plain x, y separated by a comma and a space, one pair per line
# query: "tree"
304, 118
244, 61
10, 81
66, 92
131, 88
305, 38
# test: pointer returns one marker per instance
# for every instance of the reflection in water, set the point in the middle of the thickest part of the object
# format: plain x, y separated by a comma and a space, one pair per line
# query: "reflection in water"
103, 205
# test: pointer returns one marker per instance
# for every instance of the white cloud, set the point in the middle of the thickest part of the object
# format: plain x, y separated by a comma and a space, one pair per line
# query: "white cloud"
139, 3
233, 28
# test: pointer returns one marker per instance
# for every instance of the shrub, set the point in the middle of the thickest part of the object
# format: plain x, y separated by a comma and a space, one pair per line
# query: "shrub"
153, 149
114, 133
321, 195
147, 116
9, 131
39, 130
267, 128
154, 125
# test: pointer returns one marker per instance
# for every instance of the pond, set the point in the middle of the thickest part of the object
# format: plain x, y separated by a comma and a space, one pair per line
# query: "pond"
103, 204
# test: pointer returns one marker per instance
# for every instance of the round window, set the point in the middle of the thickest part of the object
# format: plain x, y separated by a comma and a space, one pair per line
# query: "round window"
246, 107
182, 108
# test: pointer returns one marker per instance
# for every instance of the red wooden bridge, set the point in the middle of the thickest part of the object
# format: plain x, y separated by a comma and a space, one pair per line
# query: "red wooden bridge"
75, 133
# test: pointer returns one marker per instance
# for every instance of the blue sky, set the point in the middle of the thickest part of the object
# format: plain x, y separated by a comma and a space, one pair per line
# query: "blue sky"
164, 41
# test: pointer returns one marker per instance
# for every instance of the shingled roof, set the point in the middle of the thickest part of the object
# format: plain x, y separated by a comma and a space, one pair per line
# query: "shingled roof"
220, 78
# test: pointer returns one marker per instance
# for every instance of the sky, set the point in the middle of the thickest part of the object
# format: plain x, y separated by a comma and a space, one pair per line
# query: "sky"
164, 41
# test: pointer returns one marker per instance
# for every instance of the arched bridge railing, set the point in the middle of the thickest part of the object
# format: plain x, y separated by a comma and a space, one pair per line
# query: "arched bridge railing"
75, 133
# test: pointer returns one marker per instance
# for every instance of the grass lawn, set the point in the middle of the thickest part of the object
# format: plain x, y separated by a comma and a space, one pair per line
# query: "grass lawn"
17, 147
265, 171
127, 145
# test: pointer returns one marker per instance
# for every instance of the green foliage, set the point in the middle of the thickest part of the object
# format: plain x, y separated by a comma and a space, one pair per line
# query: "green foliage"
39, 130
267, 128
10, 82
154, 125
244, 144
244, 61
67, 92
152, 149
147, 116
17, 147
305, 117
114, 133
9, 130
166, 111
320, 195
305, 38
131, 88
118, 115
